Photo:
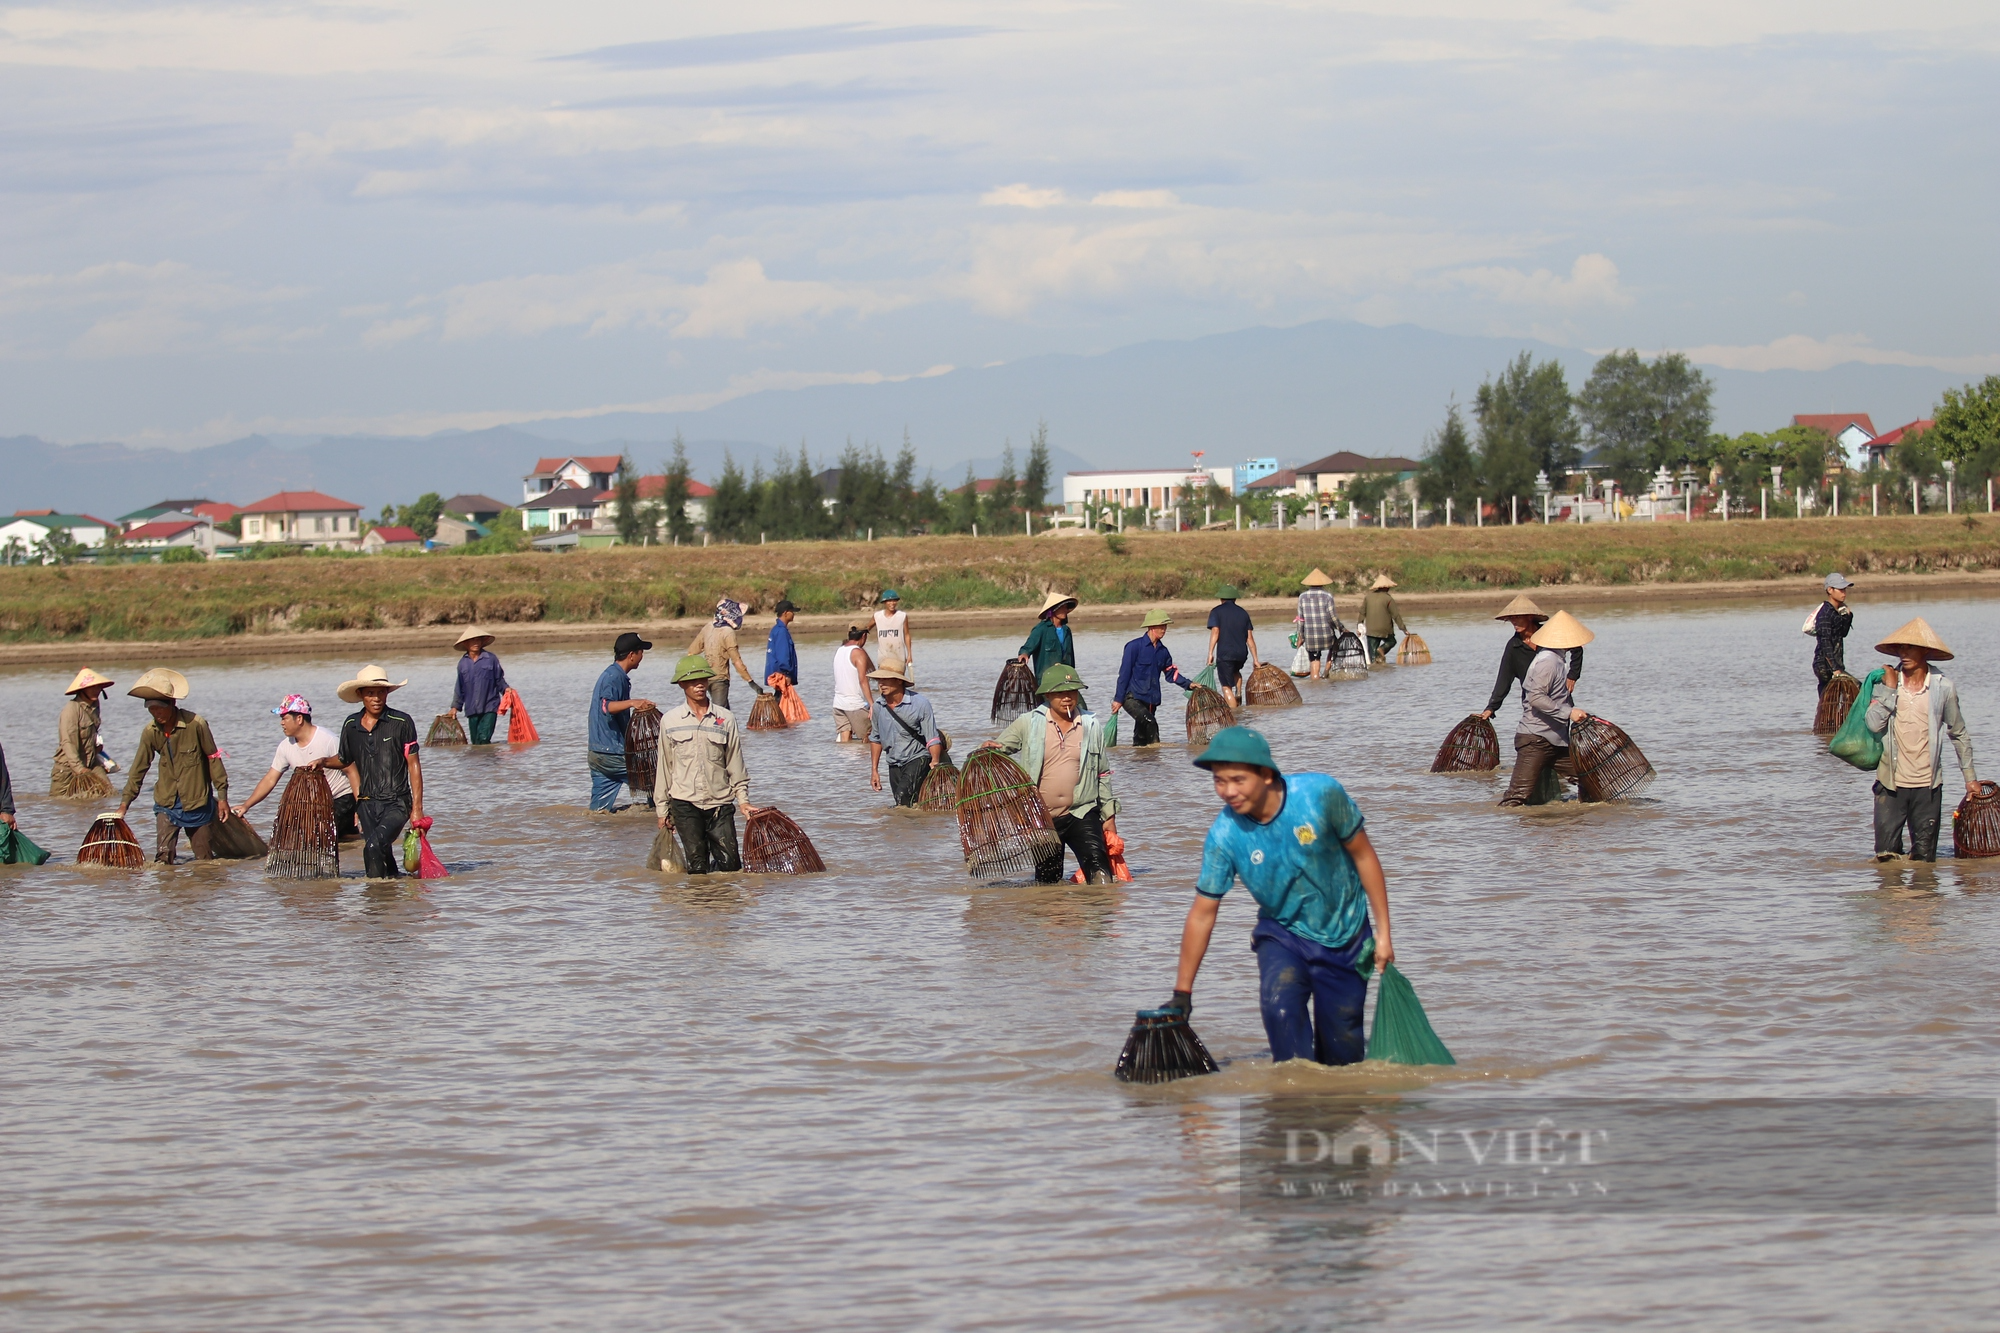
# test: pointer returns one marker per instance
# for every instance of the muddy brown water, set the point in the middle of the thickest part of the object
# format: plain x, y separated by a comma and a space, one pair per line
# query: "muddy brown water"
555, 1091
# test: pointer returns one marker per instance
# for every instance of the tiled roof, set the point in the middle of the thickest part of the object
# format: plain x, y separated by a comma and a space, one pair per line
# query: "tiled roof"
564, 494
1275, 481
590, 462
162, 529
1835, 422
397, 534
1346, 460
655, 488
299, 502
1917, 427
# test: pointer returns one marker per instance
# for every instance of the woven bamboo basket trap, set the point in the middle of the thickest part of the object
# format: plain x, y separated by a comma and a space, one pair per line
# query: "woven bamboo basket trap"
304, 841
1270, 687
1609, 765
1834, 701
774, 845
1003, 827
767, 714
642, 750
446, 730
1014, 692
1207, 713
1975, 825
1470, 747
1414, 652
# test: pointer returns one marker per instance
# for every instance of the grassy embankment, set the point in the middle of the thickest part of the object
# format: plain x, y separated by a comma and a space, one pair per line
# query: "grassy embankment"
129, 602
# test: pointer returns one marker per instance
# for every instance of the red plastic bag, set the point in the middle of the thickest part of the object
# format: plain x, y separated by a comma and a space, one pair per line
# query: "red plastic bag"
1120, 871
520, 728
428, 865
789, 703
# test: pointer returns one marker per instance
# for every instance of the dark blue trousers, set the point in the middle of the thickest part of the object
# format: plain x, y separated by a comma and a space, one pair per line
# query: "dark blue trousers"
1292, 970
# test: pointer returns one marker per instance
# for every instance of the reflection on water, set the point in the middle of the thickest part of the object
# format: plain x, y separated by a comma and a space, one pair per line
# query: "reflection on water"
555, 1090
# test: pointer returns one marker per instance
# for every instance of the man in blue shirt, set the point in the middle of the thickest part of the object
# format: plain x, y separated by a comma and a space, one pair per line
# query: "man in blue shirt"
611, 709
781, 655
1147, 658
1230, 641
1298, 845
905, 729
481, 682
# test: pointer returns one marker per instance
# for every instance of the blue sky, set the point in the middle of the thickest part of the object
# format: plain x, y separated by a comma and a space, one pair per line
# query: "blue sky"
389, 217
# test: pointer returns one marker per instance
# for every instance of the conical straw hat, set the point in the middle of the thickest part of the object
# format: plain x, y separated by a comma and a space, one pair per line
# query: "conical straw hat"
1522, 605
1916, 634
1055, 600
1316, 579
471, 632
160, 683
1563, 630
1381, 581
87, 678
370, 677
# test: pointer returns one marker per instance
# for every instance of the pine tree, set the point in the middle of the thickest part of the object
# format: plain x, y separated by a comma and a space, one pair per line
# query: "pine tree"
1035, 483
1450, 470
733, 507
1004, 498
674, 494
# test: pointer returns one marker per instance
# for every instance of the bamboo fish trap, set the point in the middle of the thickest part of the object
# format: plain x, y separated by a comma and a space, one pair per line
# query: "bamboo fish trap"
1207, 713
1834, 702
1469, 747
1975, 825
1002, 825
1270, 687
110, 842
1014, 692
767, 714
774, 845
642, 750
1161, 1048
1350, 657
940, 790
304, 842
76, 784
1609, 766
446, 730
1414, 652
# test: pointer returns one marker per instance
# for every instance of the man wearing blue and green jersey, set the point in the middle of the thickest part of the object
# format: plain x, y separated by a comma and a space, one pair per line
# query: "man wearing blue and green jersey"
1298, 845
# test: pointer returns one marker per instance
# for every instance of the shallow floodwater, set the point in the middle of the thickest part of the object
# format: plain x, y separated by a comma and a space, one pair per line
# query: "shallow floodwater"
554, 1091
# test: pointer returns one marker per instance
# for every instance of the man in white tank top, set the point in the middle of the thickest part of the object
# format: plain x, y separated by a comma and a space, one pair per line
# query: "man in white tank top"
851, 691
892, 629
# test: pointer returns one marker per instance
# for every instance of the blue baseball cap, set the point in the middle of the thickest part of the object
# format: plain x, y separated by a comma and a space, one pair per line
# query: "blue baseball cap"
1238, 745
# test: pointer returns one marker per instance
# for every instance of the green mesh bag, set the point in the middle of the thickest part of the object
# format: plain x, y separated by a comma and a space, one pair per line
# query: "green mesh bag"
1111, 732
16, 846
1402, 1033
1854, 742
413, 851
1207, 677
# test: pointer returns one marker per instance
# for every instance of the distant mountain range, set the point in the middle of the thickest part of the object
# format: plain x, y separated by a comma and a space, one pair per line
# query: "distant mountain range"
1293, 394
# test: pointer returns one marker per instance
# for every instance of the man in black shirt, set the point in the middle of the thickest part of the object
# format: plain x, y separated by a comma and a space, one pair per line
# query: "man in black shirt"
1230, 642
378, 748
1524, 615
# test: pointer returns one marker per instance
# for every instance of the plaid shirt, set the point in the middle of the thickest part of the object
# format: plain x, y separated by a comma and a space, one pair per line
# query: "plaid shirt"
1317, 620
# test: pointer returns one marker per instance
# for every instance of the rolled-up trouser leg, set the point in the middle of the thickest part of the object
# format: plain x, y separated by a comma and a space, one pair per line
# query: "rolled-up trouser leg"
1145, 722
906, 781
607, 775
1083, 835
381, 825
1292, 969
708, 837
1532, 754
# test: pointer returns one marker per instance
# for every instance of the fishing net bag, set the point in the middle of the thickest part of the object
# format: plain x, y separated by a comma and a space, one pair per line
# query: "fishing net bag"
17, 848
1161, 1048
767, 714
1270, 687
642, 750
1854, 742
1350, 657
1014, 692
774, 845
520, 727
111, 842
789, 703
233, 839
1207, 713
1402, 1034
1003, 827
1834, 702
1414, 652
940, 790
73, 784
1975, 825
666, 856
1470, 747
304, 841
445, 730
1609, 766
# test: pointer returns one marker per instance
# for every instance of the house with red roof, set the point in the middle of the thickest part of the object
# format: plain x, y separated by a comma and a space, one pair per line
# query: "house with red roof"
311, 519
1851, 430
586, 472
379, 539
163, 534
1878, 448
653, 490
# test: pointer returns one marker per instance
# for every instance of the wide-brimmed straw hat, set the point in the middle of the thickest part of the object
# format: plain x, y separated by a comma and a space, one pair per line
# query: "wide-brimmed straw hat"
85, 679
1563, 630
471, 632
1522, 605
1916, 634
1381, 581
891, 669
370, 677
160, 683
1317, 579
1055, 600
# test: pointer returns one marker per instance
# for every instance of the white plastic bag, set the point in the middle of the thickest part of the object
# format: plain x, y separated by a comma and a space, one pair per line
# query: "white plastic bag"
1301, 662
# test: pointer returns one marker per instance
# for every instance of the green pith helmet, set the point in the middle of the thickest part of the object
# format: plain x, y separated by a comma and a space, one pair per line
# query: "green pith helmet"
1238, 745
1062, 676
1156, 618
1227, 593
693, 667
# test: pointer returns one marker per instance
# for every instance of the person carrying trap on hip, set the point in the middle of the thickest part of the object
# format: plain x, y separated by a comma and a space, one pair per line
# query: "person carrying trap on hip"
1298, 843
1061, 748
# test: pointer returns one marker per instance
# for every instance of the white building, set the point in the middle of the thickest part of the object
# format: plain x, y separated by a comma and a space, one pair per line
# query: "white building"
163, 534
310, 519
1140, 488
592, 473
20, 534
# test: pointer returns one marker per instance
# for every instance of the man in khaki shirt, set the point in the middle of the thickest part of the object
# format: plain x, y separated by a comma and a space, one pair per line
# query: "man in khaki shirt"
1914, 708
1061, 747
701, 781
192, 791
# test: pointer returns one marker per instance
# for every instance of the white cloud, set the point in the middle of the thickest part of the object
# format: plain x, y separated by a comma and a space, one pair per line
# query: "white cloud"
1592, 281
1022, 196
1798, 352
123, 309
1137, 199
